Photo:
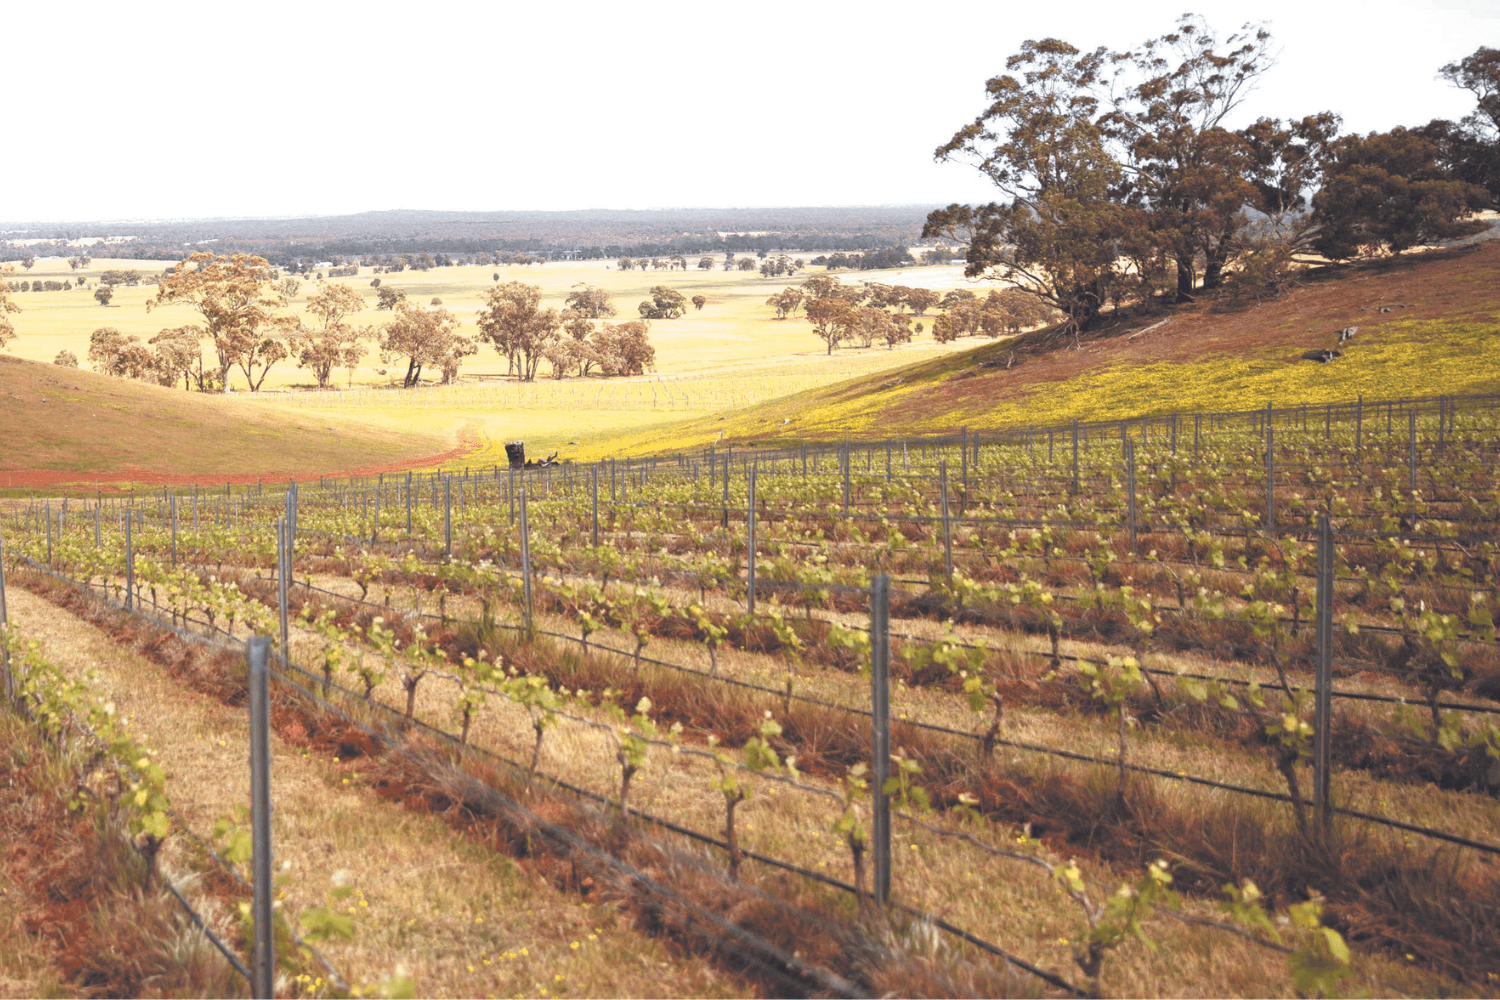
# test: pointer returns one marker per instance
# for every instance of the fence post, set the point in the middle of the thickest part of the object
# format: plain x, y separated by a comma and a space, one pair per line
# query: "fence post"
262, 959
887, 459
750, 547
129, 566
408, 505
1270, 472
880, 732
47, 516
947, 522
725, 508
96, 527
1411, 451
448, 516
595, 470
1323, 708
1130, 488
283, 574
526, 562
1075, 455
172, 505
963, 469
846, 463
1359, 421
10, 685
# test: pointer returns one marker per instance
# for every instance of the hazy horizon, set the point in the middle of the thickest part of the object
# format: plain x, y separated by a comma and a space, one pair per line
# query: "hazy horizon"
300, 112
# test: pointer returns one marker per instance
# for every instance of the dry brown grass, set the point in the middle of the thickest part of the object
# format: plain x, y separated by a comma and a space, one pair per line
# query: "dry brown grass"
966, 886
458, 918
84, 917
68, 425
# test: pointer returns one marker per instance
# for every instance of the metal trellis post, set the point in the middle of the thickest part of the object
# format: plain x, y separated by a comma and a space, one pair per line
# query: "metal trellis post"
1323, 709
880, 730
262, 959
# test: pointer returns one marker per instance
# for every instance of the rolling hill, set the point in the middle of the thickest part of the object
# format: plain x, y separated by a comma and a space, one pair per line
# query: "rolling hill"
1427, 324
66, 425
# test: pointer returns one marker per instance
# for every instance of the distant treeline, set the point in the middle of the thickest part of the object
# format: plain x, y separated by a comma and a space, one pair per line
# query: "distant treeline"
859, 251
601, 235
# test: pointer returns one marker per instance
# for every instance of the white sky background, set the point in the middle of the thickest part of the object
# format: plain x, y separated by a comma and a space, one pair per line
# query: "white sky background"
130, 111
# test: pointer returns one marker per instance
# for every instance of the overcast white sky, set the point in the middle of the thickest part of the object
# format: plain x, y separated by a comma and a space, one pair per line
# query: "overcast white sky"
134, 111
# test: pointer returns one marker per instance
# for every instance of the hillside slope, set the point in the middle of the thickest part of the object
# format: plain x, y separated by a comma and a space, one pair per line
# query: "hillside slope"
1441, 334
67, 425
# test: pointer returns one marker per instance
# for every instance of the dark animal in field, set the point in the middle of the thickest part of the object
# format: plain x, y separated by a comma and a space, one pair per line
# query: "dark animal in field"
545, 463
1322, 357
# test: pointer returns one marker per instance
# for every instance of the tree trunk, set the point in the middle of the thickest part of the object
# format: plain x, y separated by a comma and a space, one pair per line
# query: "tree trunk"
1184, 279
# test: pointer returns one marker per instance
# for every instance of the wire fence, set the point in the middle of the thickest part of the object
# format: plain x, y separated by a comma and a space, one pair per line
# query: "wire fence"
759, 950
975, 511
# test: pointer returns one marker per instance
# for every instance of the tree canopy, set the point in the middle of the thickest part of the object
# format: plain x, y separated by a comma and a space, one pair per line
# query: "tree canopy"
1121, 178
235, 298
515, 324
335, 342
427, 338
665, 303
7, 328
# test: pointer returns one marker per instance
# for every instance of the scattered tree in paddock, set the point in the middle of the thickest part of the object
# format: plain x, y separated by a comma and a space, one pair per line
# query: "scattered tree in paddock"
590, 301
705, 263
625, 348
699, 301
179, 354
388, 298
425, 338
919, 300
335, 343
786, 302
113, 353
235, 300
665, 303
119, 276
515, 324
831, 318
66, 359
7, 328
287, 288
103, 294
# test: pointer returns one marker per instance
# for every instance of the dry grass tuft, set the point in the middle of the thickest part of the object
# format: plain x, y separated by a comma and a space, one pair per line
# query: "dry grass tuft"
82, 894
